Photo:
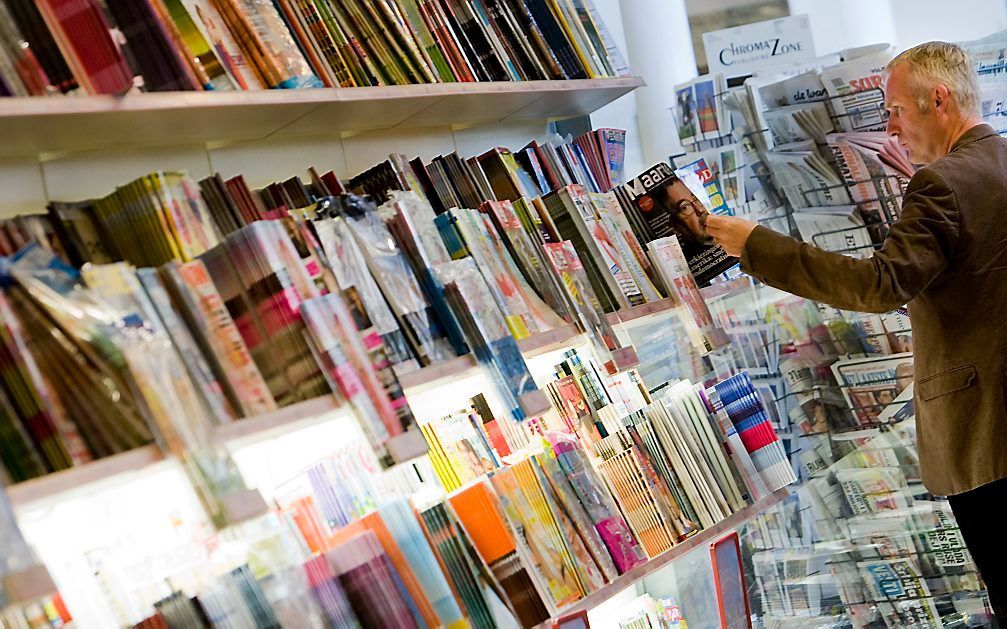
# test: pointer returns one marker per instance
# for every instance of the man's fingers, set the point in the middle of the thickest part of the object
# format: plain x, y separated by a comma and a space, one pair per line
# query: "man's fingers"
715, 224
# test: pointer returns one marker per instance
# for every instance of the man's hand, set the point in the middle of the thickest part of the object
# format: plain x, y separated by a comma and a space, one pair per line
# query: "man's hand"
730, 232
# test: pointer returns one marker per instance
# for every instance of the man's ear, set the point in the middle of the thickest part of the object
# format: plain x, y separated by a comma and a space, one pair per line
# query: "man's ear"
940, 98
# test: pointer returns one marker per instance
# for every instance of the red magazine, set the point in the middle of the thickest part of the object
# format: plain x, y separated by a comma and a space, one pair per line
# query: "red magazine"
82, 33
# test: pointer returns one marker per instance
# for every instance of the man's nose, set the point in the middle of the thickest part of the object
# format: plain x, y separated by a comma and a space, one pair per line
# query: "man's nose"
891, 128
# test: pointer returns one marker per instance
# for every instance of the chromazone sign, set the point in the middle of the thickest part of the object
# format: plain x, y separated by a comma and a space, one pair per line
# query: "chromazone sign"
744, 49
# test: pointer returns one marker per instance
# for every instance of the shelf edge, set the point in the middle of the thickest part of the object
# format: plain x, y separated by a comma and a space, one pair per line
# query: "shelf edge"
138, 459
668, 557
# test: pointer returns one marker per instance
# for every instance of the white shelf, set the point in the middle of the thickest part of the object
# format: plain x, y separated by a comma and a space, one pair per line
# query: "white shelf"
703, 538
102, 469
34, 126
260, 426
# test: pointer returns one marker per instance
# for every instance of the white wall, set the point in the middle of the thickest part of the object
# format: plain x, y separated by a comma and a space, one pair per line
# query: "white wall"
918, 21
622, 113
848, 23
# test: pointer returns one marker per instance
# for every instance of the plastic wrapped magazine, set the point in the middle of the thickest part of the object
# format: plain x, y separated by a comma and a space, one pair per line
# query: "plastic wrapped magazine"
365, 348
453, 548
669, 259
544, 315
576, 218
350, 269
108, 322
465, 232
41, 433
490, 339
203, 309
160, 308
410, 219
359, 371
523, 503
589, 315
395, 277
566, 498
263, 281
625, 242
527, 253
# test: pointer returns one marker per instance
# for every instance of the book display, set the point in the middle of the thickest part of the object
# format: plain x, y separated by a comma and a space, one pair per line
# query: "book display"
254, 307
486, 383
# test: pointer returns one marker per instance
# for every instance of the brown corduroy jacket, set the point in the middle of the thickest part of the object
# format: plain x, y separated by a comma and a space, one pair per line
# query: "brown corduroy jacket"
946, 257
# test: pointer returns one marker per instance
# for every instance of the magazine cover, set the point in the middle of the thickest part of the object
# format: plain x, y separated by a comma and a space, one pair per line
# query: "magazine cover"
660, 204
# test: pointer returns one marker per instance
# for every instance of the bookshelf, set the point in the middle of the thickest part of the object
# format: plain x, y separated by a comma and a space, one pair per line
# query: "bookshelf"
703, 538
40, 126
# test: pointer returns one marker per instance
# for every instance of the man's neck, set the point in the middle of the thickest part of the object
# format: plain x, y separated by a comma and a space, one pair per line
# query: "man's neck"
957, 131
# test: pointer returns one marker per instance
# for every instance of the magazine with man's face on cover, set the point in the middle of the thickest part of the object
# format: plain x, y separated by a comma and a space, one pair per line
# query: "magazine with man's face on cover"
660, 203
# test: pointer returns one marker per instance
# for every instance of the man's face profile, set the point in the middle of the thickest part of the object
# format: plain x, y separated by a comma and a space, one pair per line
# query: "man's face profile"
918, 131
687, 212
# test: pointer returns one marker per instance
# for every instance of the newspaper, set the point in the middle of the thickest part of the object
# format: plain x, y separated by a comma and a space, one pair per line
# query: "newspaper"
795, 123
871, 384
876, 174
671, 264
805, 178
874, 490
837, 228
901, 593
989, 55
993, 105
855, 90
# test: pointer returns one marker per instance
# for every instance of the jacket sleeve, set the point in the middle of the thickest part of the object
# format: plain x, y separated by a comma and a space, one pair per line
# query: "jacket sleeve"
919, 246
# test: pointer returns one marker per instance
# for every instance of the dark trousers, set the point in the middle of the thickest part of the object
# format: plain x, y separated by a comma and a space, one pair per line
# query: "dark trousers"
984, 532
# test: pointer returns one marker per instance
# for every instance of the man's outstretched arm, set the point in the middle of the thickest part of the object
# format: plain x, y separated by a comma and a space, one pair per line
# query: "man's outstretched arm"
919, 246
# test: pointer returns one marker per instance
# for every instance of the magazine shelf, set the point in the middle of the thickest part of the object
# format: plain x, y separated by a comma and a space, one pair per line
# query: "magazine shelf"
534, 345
32, 126
267, 425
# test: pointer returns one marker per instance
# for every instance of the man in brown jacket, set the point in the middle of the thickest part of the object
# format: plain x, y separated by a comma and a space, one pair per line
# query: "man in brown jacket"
946, 257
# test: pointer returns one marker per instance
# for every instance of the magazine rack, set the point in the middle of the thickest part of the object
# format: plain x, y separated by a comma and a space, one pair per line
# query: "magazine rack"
861, 543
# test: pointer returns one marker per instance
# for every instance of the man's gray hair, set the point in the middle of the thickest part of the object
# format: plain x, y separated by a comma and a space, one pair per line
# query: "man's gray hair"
940, 63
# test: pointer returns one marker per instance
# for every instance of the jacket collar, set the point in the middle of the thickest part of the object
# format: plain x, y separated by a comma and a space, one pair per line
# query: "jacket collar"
977, 132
